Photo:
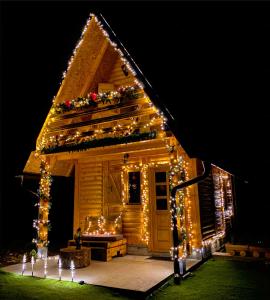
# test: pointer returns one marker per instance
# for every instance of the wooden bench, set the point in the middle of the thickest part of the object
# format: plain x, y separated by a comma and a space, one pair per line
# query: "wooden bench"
104, 250
81, 257
244, 250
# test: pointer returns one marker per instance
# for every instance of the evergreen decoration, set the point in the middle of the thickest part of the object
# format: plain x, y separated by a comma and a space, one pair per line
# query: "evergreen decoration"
92, 100
108, 141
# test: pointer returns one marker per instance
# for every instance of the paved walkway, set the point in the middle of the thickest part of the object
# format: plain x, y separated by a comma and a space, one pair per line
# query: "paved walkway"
131, 272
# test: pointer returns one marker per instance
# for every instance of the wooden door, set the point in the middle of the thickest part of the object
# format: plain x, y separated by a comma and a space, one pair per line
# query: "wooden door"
161, 218
112, 203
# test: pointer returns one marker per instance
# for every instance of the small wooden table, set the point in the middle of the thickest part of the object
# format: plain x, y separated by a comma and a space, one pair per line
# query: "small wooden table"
81, 257
103, 247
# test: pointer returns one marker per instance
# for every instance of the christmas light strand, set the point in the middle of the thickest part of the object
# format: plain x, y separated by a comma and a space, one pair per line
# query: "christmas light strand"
42, 224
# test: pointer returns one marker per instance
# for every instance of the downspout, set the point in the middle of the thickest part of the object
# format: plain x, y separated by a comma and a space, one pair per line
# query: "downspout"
207, 168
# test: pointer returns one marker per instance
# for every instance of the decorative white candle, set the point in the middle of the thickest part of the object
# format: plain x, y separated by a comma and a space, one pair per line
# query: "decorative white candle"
60, 268
23, 263
45, 267
32, 264
72, 268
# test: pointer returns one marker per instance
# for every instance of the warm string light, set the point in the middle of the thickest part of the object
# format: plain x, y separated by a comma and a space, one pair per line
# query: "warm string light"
144, 169
119, 130
219, 201
185, 166
180, 205
129, 127
145, 203
42, 224
222, 195
114, 45
101, 223
94, 100
43, 140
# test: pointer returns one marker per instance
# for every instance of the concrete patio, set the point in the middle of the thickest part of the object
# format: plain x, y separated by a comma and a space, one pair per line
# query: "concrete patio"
131, 272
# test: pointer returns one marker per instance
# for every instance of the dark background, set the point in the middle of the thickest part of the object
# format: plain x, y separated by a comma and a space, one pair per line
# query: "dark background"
208, 62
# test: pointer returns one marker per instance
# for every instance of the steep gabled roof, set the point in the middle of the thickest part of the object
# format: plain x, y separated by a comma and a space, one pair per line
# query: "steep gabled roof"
96, 58
97, 38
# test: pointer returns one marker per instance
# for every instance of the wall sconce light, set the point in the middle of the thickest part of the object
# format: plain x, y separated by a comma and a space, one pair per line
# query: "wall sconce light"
124, 69
126, 156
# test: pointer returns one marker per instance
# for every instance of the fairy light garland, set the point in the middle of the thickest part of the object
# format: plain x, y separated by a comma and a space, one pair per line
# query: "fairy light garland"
43, 141
42, 224
178, 206
144, 169
181, 206
185, 169
219, 202
145, 203
222, 194
114, 45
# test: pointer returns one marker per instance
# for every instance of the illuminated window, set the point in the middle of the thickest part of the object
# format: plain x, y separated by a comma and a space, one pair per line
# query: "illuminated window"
134, 184
161, 190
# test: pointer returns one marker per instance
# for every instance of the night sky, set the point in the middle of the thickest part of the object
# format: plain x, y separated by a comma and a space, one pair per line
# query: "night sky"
209, 63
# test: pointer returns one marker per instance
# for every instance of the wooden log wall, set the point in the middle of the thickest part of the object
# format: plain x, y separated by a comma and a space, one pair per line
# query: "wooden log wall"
99, 193
207, 205
112, 188
90, 190
132, 224
117, 76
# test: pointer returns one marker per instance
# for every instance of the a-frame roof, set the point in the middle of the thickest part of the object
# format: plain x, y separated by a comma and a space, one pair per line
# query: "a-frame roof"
97, 38
95, 58
193, 146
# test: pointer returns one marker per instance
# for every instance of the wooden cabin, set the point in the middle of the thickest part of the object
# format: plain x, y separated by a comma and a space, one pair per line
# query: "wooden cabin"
105, 127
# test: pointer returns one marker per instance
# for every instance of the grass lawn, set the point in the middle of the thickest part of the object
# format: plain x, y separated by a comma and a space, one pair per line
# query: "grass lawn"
13, 286
215, 279
223, 279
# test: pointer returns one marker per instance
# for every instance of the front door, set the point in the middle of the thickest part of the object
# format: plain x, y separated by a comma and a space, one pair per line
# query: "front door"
161, 218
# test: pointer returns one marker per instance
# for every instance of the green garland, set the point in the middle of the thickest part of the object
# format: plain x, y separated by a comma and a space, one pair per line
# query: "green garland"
92, 99
108, 141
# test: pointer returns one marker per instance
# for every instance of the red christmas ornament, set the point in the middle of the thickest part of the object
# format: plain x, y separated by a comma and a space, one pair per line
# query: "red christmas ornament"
121, 90
68, 103
93, 96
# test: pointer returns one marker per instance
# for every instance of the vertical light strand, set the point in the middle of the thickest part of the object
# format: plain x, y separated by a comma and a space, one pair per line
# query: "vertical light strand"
145, 203
181, 206
188, 207
219, 201
42, 223
143, 168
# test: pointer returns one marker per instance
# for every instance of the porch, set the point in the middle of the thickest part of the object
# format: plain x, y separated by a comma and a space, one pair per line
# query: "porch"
135, 273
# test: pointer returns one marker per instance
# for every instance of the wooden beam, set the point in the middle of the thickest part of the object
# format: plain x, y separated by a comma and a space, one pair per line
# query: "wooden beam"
150, 147
100, 121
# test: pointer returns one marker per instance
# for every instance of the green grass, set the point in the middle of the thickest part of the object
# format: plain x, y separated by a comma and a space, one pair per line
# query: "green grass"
19, 287
215, 279
222, 279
